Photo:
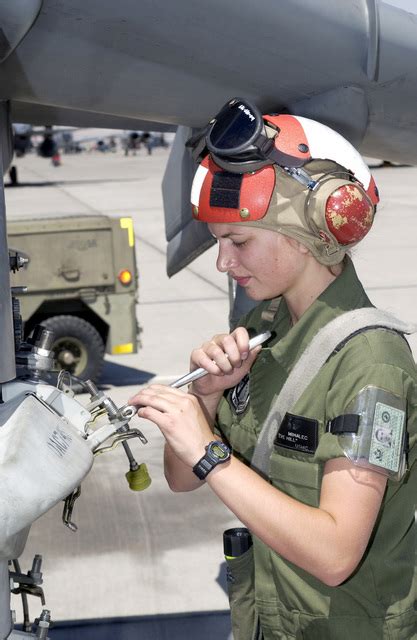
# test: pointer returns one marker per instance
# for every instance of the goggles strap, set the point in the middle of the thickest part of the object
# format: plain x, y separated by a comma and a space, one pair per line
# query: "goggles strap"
197, 144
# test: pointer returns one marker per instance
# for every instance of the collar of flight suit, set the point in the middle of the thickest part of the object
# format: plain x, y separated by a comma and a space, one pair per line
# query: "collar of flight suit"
343, 294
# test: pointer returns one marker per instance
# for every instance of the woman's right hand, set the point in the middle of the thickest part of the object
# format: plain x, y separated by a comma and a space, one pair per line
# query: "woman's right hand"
227, 359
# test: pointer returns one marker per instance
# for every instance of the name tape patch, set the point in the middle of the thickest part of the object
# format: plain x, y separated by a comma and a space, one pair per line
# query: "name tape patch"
298, 433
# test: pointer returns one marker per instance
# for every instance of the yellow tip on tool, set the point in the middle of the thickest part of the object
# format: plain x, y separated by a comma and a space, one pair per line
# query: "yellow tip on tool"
139, 480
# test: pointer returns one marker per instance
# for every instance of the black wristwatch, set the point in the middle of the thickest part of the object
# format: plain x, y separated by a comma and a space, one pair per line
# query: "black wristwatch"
216, 453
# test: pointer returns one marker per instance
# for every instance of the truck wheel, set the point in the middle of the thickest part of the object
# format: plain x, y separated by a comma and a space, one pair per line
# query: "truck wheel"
77, 346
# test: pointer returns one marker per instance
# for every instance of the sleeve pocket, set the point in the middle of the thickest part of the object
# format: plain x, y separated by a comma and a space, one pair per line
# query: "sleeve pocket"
298, 479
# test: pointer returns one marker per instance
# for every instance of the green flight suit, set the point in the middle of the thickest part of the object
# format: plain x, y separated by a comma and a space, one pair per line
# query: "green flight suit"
380, 599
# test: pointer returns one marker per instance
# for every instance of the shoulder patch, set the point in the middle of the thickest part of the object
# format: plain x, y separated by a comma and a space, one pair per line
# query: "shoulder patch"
240, 396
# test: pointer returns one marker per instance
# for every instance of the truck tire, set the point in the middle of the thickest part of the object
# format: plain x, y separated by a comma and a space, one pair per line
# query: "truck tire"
77, 345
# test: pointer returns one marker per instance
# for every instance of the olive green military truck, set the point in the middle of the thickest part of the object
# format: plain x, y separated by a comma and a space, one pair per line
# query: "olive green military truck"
81, 282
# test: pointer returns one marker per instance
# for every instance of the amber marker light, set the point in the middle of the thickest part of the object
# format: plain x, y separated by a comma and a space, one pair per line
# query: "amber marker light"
125, 277
123, 348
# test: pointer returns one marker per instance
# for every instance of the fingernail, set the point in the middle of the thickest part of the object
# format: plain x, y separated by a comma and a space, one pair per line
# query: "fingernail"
244, 355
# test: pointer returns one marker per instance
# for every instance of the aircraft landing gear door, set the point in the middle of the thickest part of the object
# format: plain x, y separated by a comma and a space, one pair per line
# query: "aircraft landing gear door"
7, 360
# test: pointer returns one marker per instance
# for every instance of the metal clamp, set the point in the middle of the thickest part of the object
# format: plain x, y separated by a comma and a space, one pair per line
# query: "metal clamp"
68, 509
122, 437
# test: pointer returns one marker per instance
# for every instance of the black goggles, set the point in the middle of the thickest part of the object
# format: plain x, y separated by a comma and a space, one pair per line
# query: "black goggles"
237, 140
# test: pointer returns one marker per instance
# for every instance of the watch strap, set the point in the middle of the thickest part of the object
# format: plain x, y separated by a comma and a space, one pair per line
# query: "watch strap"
203, 468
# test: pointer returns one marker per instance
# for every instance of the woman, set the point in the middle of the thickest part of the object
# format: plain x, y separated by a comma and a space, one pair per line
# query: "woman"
331, 514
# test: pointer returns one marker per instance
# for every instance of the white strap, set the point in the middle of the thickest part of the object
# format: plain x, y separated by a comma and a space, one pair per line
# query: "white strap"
309, 364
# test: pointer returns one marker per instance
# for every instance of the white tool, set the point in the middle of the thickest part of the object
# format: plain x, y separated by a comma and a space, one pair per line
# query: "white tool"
199, 373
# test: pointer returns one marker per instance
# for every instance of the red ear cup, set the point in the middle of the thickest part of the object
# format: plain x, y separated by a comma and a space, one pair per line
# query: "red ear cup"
349, 214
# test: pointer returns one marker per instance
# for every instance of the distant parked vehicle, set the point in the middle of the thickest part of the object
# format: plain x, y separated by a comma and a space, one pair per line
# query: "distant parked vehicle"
82, 283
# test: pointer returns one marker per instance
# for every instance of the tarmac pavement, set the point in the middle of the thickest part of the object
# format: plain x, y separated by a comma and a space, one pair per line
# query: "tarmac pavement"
160, 553
134, 554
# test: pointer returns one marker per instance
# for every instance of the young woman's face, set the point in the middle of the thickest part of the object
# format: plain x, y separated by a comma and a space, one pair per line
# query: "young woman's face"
265, 263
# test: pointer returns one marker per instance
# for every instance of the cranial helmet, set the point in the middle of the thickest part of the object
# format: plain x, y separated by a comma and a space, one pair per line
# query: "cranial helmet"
289, 174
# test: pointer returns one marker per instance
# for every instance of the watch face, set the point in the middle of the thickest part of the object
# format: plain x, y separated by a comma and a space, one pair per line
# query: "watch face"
220, 450
216, 452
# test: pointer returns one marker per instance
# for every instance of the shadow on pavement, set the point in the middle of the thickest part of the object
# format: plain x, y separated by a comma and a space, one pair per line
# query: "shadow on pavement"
58, 183
120, 375
207, 625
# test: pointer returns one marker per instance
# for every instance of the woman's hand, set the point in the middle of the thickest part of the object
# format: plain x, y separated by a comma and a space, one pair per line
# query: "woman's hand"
227, 359
179, 417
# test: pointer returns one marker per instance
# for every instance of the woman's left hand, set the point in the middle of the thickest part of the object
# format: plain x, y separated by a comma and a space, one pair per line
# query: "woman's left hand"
179, 417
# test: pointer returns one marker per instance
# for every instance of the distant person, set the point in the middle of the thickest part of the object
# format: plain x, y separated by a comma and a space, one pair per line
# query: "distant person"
133, 143
68, 142
147, 140
162, 142
56, 159
331, 512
